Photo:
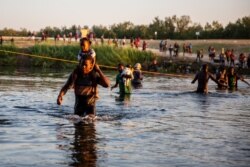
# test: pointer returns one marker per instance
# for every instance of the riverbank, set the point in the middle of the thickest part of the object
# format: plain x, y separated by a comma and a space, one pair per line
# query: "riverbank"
110, 56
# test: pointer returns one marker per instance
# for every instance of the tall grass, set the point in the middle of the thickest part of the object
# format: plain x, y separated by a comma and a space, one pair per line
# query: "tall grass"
62, 52
7, 59
106, 55
111, 56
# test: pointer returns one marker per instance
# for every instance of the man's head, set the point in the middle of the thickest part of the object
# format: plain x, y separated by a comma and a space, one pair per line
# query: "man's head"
205, 67
120, 67
87, 64
85, 44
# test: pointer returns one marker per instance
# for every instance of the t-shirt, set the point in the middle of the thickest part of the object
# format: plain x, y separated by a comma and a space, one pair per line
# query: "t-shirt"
86, 92
123, 88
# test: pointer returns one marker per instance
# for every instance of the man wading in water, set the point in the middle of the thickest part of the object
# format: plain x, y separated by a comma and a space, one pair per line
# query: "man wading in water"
203, 78
84, 79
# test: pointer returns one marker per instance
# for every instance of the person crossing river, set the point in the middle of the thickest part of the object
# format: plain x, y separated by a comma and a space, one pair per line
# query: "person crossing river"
84, 79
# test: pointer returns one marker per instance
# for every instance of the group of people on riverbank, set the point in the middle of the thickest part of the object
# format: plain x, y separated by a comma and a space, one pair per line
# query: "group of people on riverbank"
227, 57
86, 77
134, 43
173, 49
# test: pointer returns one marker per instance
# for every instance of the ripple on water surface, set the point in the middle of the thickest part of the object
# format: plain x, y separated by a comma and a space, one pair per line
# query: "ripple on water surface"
162, 124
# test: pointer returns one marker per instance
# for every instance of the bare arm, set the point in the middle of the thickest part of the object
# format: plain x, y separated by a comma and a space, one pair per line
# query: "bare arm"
213, 78
216, 81
116, 84
195, 78
246, 82
243, 80
64, 89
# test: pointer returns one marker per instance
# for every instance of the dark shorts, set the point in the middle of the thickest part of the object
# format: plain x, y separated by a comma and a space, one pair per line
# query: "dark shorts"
82, 108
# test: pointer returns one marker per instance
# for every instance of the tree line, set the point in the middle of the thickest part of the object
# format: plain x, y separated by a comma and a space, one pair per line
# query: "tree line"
169, 28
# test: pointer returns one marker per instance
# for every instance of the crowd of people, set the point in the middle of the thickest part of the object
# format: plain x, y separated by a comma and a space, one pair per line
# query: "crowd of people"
228, 58
225, 57
224, 79
173, 49
86, 77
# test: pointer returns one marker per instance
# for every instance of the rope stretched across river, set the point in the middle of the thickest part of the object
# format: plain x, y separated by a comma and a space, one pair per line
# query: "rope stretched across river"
76, 62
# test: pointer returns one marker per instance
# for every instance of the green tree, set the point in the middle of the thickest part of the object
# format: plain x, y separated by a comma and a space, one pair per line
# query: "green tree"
122, 29
181, 25
141, 31
100, 30
191, 32
170, 28
159, 27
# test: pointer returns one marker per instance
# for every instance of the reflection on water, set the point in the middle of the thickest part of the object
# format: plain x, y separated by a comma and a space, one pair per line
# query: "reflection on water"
124, 99
80, 140
84, 145
162, 124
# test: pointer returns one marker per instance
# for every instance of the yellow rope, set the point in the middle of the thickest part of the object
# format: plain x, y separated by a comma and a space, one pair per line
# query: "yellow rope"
43, 57
75, 62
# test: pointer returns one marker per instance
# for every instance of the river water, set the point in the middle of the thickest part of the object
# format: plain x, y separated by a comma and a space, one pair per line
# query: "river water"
162, 124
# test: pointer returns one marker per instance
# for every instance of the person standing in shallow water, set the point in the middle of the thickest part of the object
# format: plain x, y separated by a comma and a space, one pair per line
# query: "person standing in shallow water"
84, 79
120, 80
138, 77
233, 79
221, 77
203, 77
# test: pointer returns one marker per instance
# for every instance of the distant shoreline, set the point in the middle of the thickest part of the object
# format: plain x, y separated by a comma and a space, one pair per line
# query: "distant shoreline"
188, 60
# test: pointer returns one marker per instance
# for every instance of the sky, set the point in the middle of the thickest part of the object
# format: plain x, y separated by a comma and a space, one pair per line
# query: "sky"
36, 14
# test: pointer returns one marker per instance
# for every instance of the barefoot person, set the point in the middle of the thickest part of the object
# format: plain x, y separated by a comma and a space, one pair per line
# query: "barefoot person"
203, 77
84, 79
